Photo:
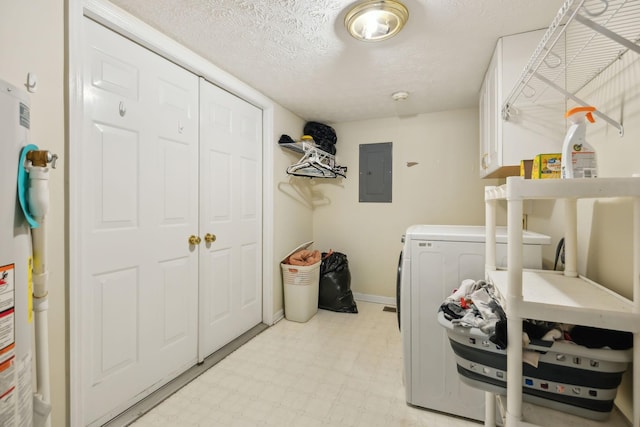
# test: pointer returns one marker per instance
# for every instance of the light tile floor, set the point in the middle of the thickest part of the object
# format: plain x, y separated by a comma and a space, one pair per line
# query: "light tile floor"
337, 369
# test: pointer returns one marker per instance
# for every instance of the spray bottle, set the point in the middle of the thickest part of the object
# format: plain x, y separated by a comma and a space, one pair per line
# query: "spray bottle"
578, 157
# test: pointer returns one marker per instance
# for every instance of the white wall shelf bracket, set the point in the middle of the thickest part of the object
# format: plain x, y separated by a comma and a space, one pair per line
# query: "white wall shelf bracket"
580, 101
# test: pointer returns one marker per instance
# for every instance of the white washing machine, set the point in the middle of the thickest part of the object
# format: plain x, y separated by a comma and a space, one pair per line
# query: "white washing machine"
434, 261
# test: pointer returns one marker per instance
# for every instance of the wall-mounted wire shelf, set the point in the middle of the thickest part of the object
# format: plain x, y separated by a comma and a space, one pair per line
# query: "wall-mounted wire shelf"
585, 38
315, 163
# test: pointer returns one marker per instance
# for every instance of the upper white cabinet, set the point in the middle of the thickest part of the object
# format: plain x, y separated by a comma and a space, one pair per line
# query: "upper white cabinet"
532, 128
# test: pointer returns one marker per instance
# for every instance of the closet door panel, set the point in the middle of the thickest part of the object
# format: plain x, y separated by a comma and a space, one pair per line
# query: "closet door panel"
114, 75
115, 323
219, 171
231, 200
249, 203
220, 296
176, 320
139, 205
172, 95
116, 182
176, 163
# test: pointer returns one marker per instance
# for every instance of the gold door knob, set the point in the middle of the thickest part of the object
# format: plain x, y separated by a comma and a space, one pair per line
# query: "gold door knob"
209, 238
194, 240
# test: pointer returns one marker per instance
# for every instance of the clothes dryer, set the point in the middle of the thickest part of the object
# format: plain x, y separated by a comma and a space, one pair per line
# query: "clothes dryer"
434, 261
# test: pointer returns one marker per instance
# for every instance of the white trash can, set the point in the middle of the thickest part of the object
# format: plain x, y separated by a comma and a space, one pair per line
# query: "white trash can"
301, 286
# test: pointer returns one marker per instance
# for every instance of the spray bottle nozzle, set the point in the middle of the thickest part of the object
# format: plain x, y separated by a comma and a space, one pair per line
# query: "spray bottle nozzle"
578, 113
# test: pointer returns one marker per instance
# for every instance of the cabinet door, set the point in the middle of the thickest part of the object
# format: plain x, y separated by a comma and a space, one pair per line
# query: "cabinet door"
537, 123
533, 127
137, 209
482, 114
489, 118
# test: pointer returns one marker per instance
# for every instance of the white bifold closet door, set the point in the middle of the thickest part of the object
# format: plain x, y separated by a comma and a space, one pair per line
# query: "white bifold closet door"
139, 205
230, 209
166, 156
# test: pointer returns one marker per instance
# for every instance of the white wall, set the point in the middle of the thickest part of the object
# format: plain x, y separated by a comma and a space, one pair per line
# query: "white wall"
443, 188
293, 214
32, 40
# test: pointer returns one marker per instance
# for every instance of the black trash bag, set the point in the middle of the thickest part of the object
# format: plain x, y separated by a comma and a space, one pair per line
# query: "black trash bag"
335, 284
323, 135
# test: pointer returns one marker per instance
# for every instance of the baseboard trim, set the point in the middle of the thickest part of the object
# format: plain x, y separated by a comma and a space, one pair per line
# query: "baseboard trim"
375, 299
278, 316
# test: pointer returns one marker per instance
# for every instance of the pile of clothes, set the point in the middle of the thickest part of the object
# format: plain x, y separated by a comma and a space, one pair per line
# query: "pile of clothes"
303, 257
476, 304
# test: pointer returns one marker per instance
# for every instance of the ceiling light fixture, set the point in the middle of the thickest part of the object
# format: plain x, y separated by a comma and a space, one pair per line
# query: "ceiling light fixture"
376, 20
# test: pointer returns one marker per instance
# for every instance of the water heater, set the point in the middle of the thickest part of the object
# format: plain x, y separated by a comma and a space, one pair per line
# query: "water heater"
16, 260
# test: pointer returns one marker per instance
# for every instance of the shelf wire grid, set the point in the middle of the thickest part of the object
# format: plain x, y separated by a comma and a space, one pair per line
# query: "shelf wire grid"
571, 54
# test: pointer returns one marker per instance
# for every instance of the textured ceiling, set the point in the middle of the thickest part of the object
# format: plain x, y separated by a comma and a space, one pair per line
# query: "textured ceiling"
298, 53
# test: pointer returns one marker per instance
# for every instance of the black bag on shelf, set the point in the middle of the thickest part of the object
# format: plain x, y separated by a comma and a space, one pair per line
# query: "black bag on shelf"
329, 148
335, 284
323, 135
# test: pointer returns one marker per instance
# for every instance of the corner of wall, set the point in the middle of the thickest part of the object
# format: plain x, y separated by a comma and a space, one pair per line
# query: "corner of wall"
292, 204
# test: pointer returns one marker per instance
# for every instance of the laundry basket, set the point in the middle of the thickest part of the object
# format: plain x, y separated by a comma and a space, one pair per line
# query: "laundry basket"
569, 377
301, 285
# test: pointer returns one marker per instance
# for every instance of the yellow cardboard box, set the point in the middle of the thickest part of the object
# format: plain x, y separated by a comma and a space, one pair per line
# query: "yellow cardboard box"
546, 166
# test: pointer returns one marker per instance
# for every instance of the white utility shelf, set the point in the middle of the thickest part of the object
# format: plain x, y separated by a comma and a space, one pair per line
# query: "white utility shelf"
580, 188
552, 296
572, 300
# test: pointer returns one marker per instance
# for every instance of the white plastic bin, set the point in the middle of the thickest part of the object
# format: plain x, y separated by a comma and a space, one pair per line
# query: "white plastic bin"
301, 284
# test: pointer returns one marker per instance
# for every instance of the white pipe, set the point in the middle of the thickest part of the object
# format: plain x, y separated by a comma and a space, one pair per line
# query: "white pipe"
38, 196
38, 200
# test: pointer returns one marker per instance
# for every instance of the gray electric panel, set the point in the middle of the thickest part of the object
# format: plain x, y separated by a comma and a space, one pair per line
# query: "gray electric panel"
376, 172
